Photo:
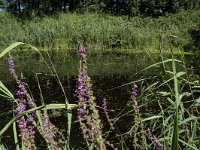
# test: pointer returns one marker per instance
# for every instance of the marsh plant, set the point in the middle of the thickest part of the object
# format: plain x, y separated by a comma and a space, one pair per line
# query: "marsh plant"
88, 113
27, 122
139, 137
164, 112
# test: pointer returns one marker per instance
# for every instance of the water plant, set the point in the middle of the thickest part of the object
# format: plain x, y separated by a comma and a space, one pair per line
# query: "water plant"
162, 111
29, 117
139, 138
88, 113
25, 123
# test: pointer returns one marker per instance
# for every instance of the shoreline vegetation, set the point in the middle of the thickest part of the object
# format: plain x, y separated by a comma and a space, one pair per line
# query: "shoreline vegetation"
97, 81
110, 41
100, 32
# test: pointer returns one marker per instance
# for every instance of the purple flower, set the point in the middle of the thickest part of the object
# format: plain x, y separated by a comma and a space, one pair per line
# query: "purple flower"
25, 124
19, 93
105, 108
134, 91
46, 116
81, 112
20, 108
81, 52
96, 131
22, 122
155, 141
12, 68
88, 115
49, 132
158, 144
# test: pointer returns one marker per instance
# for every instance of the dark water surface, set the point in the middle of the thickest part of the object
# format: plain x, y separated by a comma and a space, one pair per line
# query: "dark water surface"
104, 87
111, 75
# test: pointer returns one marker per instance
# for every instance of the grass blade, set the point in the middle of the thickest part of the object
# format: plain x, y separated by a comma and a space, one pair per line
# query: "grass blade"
8, 49
175, 137
152, 117
15, 136
6, 92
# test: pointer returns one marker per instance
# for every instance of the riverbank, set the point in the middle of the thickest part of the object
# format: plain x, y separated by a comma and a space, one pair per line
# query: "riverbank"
100, 32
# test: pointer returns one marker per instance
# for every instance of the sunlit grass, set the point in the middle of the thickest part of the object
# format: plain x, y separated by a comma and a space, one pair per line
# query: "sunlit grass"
99, 32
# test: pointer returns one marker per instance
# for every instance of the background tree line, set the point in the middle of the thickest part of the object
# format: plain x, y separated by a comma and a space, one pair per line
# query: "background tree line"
117, 7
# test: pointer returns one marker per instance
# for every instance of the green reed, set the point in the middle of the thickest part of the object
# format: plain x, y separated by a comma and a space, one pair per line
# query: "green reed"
165, 111
99, 32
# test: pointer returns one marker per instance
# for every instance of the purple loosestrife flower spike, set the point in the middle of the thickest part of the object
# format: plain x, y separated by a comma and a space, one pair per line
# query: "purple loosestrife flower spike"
12, 70
139, 138
134, 91
105, 108
25, 125
81, 52
158, 145
88, 114
49, 133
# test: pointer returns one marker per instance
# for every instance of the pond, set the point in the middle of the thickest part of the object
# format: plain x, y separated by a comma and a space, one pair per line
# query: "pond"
112, 75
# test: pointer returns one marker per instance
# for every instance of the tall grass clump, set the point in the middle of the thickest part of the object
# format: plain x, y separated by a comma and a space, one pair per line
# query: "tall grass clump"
99, 32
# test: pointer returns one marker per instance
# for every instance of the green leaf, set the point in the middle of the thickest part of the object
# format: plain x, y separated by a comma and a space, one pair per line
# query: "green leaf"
8, 49
164, 93
16, 117
15, 136
198, 100
60, 106
180, 74
91, 147
194, 148
188, 120
175, 137
69, 122
6, 92
7, 126
49, 106
156, 64
152, 117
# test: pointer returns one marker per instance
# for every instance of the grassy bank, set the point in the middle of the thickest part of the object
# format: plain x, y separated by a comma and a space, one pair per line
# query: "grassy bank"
99, 32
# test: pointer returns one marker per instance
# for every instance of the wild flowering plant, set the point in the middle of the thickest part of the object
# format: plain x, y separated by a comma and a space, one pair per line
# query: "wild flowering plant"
139, 139
25, 123
49, 133
105, 109
88, 114
157, 144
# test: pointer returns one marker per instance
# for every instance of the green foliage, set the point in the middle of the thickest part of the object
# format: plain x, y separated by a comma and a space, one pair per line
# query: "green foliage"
175, 137
126, 7
166, 106
98, 32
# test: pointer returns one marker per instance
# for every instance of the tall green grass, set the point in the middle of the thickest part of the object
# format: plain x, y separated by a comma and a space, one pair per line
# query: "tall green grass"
98, 31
